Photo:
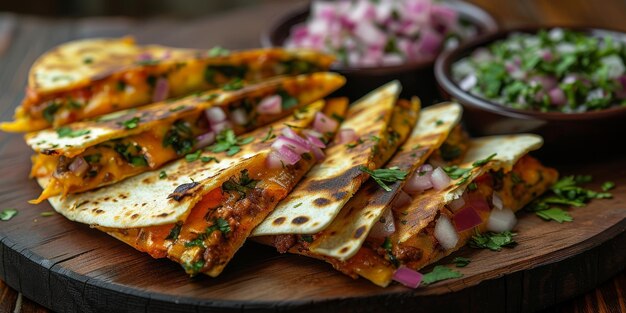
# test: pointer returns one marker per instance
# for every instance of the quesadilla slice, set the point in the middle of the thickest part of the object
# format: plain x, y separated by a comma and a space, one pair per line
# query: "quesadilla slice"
91, 77
496, 177
313, 204
199, 214
90, 154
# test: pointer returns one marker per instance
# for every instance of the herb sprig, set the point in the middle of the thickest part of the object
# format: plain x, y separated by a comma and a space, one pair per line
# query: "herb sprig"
385, 175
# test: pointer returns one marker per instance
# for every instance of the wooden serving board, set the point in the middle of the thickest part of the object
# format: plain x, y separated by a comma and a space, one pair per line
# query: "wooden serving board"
67, 266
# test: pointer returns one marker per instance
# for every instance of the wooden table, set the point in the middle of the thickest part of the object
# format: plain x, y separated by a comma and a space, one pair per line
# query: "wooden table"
24, 38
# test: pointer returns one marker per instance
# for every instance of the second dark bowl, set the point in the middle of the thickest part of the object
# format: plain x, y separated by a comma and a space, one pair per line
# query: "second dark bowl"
567, 133
416, 77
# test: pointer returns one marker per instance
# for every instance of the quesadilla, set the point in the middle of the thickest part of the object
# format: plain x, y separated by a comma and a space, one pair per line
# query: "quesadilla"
90, 154
92, 77
495, 176
313, 204
199, 214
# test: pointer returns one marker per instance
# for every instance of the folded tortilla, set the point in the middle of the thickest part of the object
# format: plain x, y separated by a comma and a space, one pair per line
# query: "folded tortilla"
314, 203
92, 77
199, 213
90, 154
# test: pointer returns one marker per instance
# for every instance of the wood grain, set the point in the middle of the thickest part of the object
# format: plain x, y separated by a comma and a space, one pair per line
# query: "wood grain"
68, 267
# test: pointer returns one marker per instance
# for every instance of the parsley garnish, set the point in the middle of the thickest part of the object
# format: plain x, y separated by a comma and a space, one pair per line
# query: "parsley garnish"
226, 141
607, 185
243, 186
235, 84
131, 123
287, 100
460, 261
173, 235
218, 224
270, 135
456, 172
49, 111
68, 132
7, 214
439, 122
162, 175
389, 175
207, 159
46, 214
218, 51
566, 192
493, 241
194, 267
484, 161
193, 156
439, 273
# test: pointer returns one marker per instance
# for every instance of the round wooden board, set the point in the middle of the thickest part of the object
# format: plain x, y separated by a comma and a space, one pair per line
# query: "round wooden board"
67, 266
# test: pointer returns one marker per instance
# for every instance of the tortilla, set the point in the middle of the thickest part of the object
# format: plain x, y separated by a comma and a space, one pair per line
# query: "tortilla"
345, 235
314, 203
142, 200
91, 77
160, 133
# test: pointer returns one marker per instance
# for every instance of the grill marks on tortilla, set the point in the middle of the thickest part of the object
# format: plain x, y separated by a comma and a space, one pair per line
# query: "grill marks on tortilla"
152, 198
339, 240
329, 185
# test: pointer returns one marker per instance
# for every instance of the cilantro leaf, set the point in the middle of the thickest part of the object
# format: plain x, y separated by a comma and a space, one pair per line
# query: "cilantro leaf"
607, 185
439, 273
7, 214
162, 175
226, 141
193, 156
218, 51
131, 123
455, 172
493, 241
484, 161
382, 175
233, 85
460, 261
555, 214
68, 132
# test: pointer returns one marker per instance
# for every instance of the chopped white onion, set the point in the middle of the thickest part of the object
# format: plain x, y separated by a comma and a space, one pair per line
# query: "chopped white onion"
219, 127
501, 220
239, 116
456, 204
496, 201
440, 179
346, 135
324, 124
205, 140
445, 233
79, 166
418, 183
215, 115
401, 200
274, 160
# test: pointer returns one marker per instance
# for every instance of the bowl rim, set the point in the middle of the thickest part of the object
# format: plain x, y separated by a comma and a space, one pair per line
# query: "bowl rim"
477, 14
443, 66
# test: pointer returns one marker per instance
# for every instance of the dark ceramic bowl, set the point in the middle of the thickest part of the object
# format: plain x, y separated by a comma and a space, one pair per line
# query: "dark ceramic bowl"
416, 77
566, 132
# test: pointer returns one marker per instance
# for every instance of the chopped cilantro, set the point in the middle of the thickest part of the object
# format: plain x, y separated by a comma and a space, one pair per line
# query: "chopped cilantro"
162, 175
456, 172
193, 156
472, 186
607, 185
382, 175
460, 261
226, 141
50, 110
555, 214
131, 123
218, 51
493, 241
484, 161
218, 224
235, 84
207, 159
337, 117
68, 132
270, 135
7, 214
306, 238
178, 108
243, 186
173, 235
88, 60
439, 122
47, 213
439, 273
287, 101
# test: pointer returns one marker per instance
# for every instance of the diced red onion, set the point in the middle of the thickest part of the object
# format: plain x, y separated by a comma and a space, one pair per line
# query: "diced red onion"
205, 140
270, 105
557, 96
315, 141
370, 34
79, 166
546, 82
274, 160
496, 201
445, 233
456, 204
383, 227
418, 184
239, 116
501, 220
444, 16
310, 132
324, 124
440, 179
293, 144
429, 41
546, 55
408, 277
215, 115
401, 200
291, 134
466, 218
318, 153
425, 168
219, 127
161, 90
288, 156
346, 135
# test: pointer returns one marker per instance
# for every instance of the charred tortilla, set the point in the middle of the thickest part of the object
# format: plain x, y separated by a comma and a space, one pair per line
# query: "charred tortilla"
92, 77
